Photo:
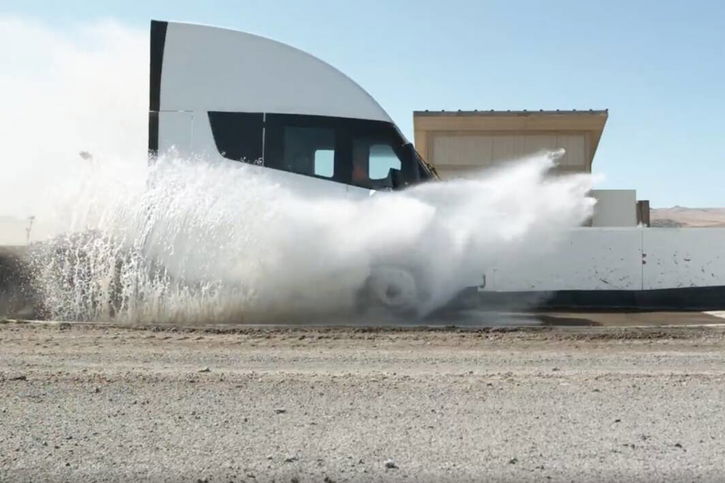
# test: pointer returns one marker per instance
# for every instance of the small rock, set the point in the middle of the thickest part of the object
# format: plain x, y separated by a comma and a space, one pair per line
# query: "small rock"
22, 377
280, 410
97, 390
678, 445
513, 461
555, 369
290, 459
617, 420
204, 369
390, 464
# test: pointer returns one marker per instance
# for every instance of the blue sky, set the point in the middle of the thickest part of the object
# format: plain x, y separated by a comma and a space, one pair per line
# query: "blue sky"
658, 66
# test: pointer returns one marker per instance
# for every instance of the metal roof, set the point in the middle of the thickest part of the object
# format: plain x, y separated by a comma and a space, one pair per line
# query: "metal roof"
524, 112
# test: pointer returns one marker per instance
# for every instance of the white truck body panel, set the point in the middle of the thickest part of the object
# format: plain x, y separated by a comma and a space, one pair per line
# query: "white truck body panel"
215, 69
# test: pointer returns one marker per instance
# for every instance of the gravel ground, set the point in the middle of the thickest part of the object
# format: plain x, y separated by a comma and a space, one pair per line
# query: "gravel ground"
100, 403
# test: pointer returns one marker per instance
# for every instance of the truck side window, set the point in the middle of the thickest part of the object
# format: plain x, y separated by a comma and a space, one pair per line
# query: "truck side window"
365, 153
372, 161
325, 163
309, 150
237, 135
382, 160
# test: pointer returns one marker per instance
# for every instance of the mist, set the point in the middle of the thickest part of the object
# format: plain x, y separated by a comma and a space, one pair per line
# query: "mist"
64, 92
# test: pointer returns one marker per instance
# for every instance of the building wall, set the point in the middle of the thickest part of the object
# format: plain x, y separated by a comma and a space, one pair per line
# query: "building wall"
460, 143
459, 154
615, 208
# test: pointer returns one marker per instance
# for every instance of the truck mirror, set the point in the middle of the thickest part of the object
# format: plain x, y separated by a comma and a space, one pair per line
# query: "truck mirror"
396, 178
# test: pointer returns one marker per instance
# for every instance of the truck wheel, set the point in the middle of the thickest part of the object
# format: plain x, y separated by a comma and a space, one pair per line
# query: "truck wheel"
394, 289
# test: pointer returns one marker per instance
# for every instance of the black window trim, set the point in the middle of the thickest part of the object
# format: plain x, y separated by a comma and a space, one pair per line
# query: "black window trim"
346, 129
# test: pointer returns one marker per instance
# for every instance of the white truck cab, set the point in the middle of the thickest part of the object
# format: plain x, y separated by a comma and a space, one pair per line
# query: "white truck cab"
230, 96
218, 93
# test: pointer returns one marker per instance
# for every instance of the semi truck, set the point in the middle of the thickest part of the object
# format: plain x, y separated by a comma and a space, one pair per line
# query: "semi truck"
230, 96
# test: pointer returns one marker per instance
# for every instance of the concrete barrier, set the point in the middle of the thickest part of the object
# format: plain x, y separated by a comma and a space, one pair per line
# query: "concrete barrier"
628, 268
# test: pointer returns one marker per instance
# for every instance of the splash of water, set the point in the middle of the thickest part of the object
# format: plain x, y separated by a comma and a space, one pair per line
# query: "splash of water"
223, 241
190, 240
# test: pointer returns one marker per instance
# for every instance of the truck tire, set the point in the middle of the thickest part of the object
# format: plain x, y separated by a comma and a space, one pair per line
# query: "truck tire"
395, 289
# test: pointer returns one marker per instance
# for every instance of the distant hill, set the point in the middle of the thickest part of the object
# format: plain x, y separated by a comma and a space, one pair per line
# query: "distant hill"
680, 216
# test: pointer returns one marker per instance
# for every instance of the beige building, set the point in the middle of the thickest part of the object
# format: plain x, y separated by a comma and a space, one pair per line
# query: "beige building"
461, 143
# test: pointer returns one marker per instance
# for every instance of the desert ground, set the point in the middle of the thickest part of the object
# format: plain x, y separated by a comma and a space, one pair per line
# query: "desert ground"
679, 216
613, 402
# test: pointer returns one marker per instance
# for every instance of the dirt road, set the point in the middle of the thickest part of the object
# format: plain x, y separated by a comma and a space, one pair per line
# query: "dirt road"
538, 404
